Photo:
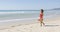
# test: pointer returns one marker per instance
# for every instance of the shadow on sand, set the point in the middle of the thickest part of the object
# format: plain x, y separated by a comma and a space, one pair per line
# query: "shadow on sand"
51, 25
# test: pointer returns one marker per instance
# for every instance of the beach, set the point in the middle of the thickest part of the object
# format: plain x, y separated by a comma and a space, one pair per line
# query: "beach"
27, 21
51, 25
29, 15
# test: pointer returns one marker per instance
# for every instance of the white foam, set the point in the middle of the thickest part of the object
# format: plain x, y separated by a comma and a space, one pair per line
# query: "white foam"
17, 19
16, 12
10, 12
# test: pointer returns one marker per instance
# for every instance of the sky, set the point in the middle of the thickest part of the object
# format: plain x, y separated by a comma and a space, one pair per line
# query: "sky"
28, 4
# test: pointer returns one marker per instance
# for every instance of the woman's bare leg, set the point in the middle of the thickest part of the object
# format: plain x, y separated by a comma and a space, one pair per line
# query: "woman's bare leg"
41, 22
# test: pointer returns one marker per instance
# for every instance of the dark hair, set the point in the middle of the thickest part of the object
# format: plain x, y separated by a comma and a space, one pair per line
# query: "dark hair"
42, 10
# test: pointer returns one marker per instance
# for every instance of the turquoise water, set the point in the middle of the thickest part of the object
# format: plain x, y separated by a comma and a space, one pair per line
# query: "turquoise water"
18, 14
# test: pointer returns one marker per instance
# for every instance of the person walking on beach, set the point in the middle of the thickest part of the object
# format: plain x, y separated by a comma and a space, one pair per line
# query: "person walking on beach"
41, 17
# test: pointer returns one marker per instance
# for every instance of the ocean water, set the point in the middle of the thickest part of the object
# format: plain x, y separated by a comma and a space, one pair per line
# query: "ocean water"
8, 15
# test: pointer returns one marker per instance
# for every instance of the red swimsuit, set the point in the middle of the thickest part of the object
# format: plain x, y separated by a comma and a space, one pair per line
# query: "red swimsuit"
41, 16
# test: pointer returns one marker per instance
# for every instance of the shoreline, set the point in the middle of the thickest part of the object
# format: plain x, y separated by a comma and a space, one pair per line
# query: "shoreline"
34, 26
28, 20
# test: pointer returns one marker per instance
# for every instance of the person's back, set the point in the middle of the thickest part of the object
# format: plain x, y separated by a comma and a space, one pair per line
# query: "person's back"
41, 15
